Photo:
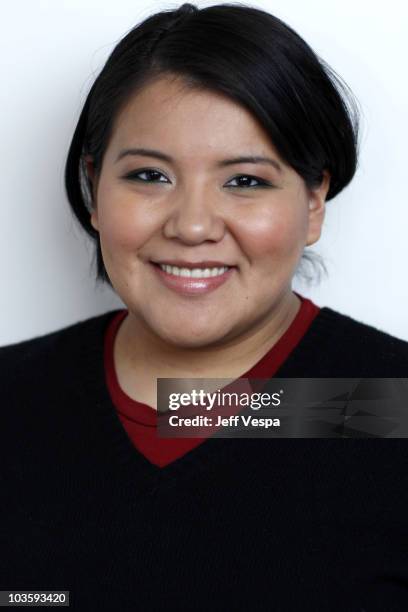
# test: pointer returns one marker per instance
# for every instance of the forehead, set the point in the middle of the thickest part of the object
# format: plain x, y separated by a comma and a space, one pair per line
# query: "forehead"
168, 113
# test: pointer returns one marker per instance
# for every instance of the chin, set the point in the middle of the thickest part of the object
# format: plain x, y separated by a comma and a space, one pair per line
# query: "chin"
190, 337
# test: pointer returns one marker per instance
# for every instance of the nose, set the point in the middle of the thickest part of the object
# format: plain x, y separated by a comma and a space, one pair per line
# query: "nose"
194, 217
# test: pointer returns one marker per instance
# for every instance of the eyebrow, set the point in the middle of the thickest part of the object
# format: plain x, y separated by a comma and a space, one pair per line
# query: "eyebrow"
245, 159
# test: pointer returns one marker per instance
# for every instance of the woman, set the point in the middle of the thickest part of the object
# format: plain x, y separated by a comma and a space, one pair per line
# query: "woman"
201, 166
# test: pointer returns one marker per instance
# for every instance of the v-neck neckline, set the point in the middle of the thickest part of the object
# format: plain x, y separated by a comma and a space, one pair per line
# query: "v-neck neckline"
118, 446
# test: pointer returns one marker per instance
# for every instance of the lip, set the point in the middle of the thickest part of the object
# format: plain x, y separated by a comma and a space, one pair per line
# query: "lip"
191, 286
180, 263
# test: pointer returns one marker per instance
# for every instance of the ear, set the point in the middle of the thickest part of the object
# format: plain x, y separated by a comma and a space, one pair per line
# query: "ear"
317, 209
94, 219
90, 170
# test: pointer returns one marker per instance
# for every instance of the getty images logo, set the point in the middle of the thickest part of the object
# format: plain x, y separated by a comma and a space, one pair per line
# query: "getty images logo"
221, 399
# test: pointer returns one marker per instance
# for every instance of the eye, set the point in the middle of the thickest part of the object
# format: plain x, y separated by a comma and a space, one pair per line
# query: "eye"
244, 180
151, 173
249, 179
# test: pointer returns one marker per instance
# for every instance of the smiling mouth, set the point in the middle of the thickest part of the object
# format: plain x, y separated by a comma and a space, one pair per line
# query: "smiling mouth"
209, 272
192, 281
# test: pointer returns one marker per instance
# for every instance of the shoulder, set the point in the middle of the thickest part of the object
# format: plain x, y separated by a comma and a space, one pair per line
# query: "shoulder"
46, 405
363, 335
39, 355
355, 345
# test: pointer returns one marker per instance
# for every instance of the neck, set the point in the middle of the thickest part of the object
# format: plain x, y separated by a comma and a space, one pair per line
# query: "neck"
141, 356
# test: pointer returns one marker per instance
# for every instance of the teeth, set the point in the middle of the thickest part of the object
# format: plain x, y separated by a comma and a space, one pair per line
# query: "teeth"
194, 272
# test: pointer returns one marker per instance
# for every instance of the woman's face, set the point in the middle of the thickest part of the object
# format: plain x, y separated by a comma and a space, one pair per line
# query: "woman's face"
189, 205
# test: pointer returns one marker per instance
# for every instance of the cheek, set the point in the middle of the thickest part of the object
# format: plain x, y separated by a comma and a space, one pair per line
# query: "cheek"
123, 225
277, 231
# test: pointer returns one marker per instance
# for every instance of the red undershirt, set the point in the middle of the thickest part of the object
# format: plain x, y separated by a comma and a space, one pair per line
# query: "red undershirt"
139, 420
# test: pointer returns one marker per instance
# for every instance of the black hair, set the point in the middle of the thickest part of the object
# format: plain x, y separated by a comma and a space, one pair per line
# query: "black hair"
241, 51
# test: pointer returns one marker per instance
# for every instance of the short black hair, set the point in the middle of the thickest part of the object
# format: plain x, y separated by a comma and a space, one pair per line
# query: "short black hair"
243, 52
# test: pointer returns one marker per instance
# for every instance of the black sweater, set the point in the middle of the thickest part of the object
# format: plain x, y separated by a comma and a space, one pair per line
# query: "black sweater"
282, 525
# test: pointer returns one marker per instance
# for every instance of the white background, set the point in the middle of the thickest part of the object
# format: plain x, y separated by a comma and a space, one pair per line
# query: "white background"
51, 54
